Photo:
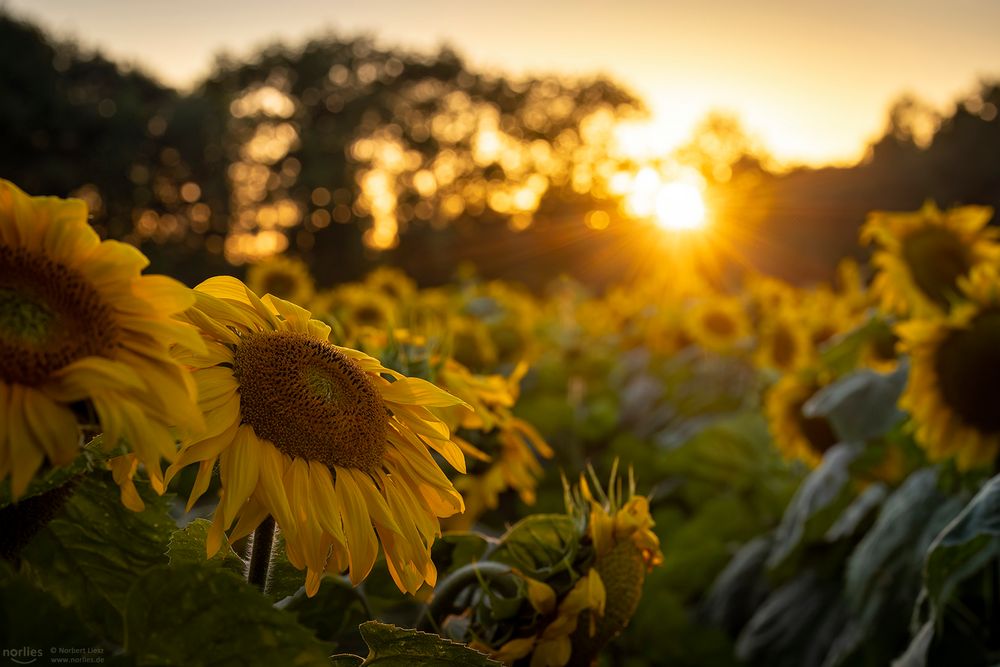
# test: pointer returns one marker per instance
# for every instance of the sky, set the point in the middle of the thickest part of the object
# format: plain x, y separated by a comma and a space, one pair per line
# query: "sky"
811, 80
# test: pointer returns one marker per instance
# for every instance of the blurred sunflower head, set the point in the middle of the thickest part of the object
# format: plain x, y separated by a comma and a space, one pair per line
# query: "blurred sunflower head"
362, 311
796, 435
285, 277
717, 324
954, 363
921, 256
391, 282
471, 344
784, 343
325, 439
82, 331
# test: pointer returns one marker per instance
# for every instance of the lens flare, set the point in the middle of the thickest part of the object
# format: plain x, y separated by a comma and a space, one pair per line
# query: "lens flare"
680, 206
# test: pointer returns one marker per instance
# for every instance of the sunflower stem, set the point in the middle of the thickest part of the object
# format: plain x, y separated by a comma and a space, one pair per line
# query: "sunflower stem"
260, 554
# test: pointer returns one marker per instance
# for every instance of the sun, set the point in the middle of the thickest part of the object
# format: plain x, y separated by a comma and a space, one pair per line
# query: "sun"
672, 198
680, 206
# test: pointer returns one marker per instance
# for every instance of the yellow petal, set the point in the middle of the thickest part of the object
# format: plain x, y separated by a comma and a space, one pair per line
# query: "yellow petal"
362, 546
239, 469
53, 425
418, 392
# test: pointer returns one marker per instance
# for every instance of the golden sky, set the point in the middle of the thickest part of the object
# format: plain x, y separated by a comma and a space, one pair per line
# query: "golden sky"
810, 79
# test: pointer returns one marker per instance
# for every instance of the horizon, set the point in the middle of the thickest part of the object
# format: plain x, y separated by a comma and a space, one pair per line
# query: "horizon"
797, 118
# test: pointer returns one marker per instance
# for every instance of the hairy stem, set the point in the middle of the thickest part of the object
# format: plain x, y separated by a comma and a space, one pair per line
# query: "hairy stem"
260, 553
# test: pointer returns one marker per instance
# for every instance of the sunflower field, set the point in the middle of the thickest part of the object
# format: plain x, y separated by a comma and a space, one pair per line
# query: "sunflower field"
271, 471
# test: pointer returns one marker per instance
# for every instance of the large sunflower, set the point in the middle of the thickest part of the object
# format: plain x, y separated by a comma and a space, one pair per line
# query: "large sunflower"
797, 436
322, 438
921, 256
81, 331
285, 277
952, 392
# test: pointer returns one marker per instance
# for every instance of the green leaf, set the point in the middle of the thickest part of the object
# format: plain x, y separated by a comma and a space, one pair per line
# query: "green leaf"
334, 613
856, 516
89, 556
193, 615
916, 652
283, 578
457, 548
965, 546
187, 545
861, 405
390, 646
795, 625
887, 560
540, 545
89, 458
815, 506
740, 587
48, 626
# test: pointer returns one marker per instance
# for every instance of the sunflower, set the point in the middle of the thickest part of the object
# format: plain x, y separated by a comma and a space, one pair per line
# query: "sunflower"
81, 331
921, 256
285, 277
471, 344
797, 436
952, 392
391, 282
322, 438
783, 343
362, 311
621, 548
717, 324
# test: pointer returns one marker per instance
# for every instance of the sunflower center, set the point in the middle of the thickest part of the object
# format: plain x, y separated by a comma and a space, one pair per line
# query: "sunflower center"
818, 432
936, 259
368, 315
967, 365
719, 324
310, 400
783, 347
50, 316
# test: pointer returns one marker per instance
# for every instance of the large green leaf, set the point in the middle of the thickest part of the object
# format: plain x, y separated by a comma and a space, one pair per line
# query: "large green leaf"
283, 578
187, 545
861, 405
740, 587
49, 630
965, 546
51, 478
796, 624
89, 556
390, 646
814, 508
540, 545
334, 613
194, 615
888, 559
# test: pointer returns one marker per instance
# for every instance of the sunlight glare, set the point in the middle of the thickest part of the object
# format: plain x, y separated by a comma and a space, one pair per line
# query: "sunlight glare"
680, 206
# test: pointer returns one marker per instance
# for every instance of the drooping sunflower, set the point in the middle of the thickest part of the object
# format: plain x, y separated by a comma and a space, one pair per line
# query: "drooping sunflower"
322, 438
285, 277
81, 330
619, 548
717, 324
796, 435
952, 392
922, 255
